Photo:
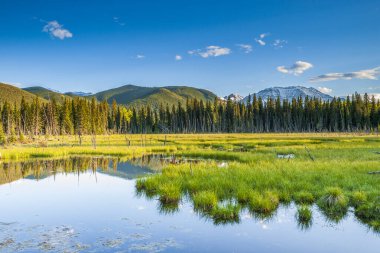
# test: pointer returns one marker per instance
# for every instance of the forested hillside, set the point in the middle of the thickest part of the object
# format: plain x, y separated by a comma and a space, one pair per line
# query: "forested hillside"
81, 116
46, 93
13, 94
138, 96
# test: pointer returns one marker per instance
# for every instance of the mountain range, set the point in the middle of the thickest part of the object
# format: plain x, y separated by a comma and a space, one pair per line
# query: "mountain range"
132, 95
291, 92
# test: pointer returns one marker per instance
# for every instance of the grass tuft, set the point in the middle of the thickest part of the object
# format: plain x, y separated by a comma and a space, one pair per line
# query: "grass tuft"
358, 198
304, 197
264, 204
334, 204
205, 200
226, 214
304, 217
169, 193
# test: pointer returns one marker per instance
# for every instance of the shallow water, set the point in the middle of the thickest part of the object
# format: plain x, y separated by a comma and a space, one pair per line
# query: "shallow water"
96, 209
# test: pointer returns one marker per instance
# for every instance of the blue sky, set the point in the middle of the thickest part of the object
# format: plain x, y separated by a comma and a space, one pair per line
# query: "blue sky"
224, 46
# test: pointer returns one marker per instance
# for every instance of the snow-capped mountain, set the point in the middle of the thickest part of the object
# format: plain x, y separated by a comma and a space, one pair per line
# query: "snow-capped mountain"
291, 92
234, 97
78, 93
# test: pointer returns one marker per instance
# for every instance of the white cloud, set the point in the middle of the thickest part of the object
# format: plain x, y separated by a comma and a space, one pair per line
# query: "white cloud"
260, 40
56, 30
140, 56
374, 88
118, 21
375, 95
211, 51
296, 69
277, 44
245, 47
325, 90
370, 74
178, 57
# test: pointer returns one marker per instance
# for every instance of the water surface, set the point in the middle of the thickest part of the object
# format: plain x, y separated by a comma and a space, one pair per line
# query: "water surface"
90, 205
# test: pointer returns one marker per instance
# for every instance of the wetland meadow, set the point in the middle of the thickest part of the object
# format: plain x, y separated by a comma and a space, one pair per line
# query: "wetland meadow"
191, 193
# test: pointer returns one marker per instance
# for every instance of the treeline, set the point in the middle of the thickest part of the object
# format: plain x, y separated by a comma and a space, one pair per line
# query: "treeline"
80, 116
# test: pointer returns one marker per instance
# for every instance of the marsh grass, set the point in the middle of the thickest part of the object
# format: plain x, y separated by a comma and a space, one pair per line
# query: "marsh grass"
369, 214
147, 186
226, 214
169, 193
263, 205
304, 217
334, 204
303, 197
358, 198
205, 201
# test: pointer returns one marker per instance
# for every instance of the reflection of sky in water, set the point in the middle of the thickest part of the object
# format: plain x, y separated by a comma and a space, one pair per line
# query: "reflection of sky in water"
102, 213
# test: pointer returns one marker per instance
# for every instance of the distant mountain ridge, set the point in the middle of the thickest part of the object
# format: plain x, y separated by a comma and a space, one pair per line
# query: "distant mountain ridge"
46, 93
133, 95
234, 97
137, 96
77, 94
291, 92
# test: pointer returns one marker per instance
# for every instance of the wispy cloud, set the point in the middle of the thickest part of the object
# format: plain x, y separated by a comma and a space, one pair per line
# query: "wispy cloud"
374, 88
140, 56
56, 30
260, 40
325, 90
118, 21
211, 51
370, 74
178, 57
245, 47
277, 44
296, 69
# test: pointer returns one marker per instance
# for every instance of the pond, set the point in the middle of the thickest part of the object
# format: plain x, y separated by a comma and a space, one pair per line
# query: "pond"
86, 204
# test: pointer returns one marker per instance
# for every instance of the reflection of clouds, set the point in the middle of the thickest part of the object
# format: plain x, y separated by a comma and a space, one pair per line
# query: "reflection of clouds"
242, 234
264, 225
246, 216
282, 218
140, 208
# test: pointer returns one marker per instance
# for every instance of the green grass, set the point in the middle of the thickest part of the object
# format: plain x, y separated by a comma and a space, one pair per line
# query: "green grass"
304, 217
169, 193
263, 205
205, 201
226, 214
334, 204
304, 197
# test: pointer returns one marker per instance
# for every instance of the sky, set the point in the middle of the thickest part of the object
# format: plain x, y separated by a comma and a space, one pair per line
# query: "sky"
224, 46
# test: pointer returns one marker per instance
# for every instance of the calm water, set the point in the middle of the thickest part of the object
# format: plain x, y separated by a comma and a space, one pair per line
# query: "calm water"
87, 206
